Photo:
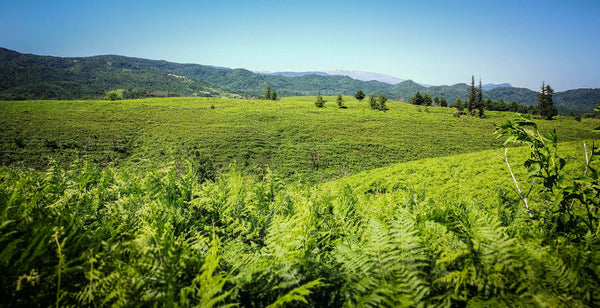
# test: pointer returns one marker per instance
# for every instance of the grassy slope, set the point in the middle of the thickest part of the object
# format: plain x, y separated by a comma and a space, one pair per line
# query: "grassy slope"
479, 178
251, 134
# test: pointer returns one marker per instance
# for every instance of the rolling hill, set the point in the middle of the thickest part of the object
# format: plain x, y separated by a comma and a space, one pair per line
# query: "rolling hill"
26, 76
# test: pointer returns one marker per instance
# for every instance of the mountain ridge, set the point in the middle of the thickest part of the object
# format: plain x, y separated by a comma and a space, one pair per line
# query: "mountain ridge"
28, 76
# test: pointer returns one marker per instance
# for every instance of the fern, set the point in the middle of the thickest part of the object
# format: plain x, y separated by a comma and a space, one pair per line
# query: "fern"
209, 286
491, 266
298, 294
385, 268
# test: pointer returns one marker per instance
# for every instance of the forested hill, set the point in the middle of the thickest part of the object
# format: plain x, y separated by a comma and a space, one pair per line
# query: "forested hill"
26, 76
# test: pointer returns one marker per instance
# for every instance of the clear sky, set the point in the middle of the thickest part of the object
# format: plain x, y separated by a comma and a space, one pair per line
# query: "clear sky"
433, 42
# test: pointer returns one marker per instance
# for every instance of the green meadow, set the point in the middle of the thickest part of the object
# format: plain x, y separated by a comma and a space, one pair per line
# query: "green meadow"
219, 202
290, 137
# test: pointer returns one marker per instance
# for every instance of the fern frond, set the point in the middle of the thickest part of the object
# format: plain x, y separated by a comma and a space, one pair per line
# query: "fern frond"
387, 267
298, 294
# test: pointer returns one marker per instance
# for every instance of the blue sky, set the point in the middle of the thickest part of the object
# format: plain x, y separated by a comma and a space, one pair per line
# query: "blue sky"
433, 42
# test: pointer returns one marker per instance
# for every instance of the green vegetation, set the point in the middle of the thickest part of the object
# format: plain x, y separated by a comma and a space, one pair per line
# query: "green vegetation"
209, 202
247, 134
433, 232
545, 105
340, 101
359, 95
418, 99
320, 102
24, 76
379, 103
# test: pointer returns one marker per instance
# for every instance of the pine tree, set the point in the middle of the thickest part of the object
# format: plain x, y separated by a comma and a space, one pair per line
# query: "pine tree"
360, 95
458, 104
267, 94
340, 101
372, 102
427, 100
545, 105
472, 97
417, 99
381, 102
443, 102
479, 101
319, 102
273, 95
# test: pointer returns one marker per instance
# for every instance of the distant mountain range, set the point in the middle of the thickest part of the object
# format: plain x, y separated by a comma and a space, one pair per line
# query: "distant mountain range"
489, 86
358, 75
27, 76
368, 76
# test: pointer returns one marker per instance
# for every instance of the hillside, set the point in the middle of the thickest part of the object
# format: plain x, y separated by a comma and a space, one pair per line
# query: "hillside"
30, 76
291, 137
25, 76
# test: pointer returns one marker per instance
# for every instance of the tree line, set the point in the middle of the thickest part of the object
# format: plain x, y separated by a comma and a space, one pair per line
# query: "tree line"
476, 105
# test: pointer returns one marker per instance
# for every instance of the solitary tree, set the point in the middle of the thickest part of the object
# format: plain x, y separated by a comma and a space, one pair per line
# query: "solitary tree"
267, 94
319, 102
359, 95
340, 101
545, 105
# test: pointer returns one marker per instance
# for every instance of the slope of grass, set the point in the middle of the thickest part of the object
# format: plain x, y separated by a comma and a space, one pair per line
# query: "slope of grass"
292, 137
480, 178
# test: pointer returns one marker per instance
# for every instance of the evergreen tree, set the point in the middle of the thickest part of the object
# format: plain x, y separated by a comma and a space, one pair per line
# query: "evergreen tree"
359, 95
273, 95
489, 104
267, 95
471, 103
372, 102
443, 102
545, 105
319, 102
458, 104
340, 101
427, 100
479, 101
417, 99
381, 102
